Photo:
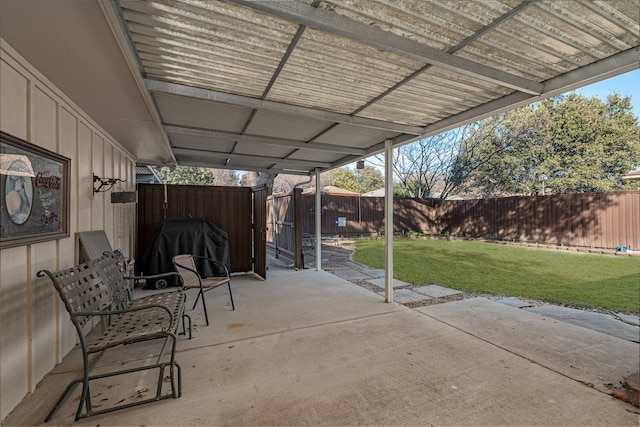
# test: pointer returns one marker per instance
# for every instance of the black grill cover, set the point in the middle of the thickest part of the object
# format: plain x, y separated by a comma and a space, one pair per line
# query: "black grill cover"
195, 236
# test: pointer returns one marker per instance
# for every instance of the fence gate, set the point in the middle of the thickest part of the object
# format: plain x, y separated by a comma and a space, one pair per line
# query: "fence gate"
284, 217
260, 231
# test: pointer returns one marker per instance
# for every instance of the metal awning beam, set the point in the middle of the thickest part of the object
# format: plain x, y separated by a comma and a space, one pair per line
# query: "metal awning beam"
231, 166
332, 23
307, 164
229, 136
294, 110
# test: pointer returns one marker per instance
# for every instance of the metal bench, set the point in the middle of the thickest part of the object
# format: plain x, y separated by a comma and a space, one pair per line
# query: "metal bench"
100, 289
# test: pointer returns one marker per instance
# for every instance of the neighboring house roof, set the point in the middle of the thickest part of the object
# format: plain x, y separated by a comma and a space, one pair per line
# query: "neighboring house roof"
330, 190
632, 175
464, 196
146, 174
375, 193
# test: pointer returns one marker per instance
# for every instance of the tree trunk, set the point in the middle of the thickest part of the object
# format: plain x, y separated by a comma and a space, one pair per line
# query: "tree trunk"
261, 178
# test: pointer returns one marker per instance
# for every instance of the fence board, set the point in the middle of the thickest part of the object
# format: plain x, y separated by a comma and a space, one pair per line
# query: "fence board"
596, 220
227, 207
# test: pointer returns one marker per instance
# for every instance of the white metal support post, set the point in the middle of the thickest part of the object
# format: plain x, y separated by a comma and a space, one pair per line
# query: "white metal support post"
388, 220
318, 222
359, 201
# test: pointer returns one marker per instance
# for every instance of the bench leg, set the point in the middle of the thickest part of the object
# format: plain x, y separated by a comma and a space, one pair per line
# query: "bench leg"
85, 408
62, 398
72, 385
184, 330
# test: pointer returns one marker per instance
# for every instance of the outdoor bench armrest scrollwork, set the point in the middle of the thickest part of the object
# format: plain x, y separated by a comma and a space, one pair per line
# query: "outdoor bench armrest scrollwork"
99, 289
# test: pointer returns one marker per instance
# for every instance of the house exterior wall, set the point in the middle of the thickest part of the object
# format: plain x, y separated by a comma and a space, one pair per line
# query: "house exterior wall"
35, 331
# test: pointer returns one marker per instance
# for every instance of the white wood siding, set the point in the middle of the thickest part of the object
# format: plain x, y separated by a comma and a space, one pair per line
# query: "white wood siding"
35, 331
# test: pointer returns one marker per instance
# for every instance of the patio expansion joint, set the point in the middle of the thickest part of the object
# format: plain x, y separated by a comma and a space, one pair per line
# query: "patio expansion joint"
301, 328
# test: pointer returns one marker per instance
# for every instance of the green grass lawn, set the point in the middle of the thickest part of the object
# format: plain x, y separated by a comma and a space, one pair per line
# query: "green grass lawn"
568, 278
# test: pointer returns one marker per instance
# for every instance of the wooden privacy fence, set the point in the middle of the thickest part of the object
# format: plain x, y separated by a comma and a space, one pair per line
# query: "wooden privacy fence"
229, 208
595, 220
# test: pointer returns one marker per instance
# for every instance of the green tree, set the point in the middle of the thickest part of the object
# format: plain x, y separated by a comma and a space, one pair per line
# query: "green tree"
186, 175
399, 190
574, 143
369, 178
362, 180
343, 178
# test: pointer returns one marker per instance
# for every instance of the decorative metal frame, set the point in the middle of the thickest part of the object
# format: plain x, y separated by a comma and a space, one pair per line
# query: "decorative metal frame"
34, 193
104, 182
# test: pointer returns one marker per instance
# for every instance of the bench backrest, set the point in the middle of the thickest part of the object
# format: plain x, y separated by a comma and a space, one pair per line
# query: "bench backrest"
81, 290
111, 266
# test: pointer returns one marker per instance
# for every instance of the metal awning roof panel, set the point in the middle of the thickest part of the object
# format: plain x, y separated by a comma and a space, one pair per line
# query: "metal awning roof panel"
292, 86
208, 44
201, 143
334, 74
200, 114
433, 95
273, 124
354, 136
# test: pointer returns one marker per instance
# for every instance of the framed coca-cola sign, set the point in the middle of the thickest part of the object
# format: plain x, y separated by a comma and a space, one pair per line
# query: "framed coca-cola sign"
34, 193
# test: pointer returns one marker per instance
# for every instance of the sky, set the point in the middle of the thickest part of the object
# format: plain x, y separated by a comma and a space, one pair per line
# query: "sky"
625, 84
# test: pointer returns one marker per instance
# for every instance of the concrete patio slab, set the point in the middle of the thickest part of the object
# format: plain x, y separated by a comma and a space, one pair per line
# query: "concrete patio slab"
514, 302
600, 322
621, 325
308, 348
405, 296
629, 318
381, 283
374, 273
436, 291
351, 274
588, 357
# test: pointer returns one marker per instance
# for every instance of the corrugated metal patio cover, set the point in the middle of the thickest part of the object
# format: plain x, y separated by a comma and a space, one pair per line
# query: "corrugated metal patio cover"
288, 86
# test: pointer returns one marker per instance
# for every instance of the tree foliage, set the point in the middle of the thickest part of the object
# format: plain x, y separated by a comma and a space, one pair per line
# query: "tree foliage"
186, 175
343, 178
226, 177
370, 179
572, 143
357, 180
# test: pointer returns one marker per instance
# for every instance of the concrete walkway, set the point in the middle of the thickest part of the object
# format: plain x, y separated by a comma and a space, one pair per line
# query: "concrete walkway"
337, 260
309, 348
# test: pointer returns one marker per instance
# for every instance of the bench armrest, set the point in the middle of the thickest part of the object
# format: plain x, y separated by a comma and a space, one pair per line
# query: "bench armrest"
152, 276
127, 310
